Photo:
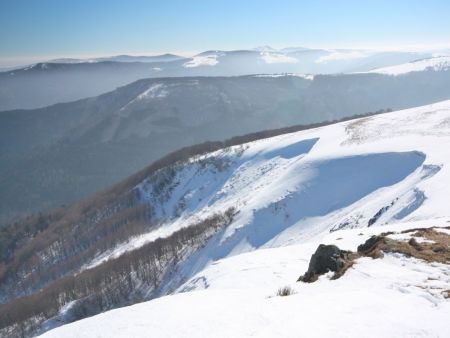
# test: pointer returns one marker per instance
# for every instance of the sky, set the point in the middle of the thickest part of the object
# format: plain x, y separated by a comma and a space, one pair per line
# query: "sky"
37, 30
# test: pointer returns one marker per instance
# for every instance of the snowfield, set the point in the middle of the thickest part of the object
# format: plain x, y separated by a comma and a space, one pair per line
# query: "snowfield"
337, 184
202, 60
236, 297
435, 64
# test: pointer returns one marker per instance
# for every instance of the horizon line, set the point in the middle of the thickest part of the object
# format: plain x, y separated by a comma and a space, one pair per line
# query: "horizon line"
18, 61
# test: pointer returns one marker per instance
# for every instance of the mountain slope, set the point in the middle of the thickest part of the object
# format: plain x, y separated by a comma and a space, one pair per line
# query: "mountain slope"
57, 154
47, 83
236, 297
382, 157
189, 212
429, 64
123, 58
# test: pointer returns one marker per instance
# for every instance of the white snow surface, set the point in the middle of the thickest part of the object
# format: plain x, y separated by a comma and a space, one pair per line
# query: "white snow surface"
293, 192
430, 64
202, 60
154, 91
236, 297
305, 76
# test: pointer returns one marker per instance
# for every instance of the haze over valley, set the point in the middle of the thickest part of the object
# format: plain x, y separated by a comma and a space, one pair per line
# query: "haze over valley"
224, 169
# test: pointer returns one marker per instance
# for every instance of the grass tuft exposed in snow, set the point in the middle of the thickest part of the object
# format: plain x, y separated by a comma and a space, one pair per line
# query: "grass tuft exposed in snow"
285, 291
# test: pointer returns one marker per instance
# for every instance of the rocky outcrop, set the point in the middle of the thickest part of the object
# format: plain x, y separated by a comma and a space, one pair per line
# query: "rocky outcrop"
434, 247
327, 258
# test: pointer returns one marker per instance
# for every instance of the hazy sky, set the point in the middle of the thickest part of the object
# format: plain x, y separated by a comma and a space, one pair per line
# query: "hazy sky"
40, 29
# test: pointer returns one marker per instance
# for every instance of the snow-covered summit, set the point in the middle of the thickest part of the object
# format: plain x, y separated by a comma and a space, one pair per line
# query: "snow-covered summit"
429, 64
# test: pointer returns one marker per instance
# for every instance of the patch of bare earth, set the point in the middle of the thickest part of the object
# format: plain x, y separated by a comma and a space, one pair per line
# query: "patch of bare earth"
354, 131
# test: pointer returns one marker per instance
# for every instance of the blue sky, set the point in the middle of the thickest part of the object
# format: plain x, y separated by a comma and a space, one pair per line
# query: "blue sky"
33, 29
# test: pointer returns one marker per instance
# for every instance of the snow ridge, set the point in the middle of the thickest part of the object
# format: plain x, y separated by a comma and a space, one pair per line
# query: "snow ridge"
380, 161
441, 63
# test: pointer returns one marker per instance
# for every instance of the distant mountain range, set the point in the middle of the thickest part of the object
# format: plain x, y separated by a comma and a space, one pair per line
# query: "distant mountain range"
57, 154
64, 80
123, 58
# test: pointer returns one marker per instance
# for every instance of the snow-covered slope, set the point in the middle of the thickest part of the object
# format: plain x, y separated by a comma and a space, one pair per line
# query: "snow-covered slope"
335, 184
122, 58
435, 64
236, 297
290, 188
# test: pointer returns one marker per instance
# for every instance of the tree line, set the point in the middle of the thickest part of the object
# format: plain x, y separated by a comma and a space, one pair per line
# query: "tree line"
124, 280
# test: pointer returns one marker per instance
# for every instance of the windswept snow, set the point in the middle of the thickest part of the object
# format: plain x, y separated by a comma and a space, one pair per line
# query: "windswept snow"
288, 189
431, 64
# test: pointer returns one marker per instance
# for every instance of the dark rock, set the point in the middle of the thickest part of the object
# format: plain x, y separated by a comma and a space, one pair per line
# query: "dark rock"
370, 244
326, 258
379, 213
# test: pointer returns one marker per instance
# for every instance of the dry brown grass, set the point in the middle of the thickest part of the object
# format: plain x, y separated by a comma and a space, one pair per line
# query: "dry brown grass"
435, 251
347, 265
285, 291
446, 294
438, 250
